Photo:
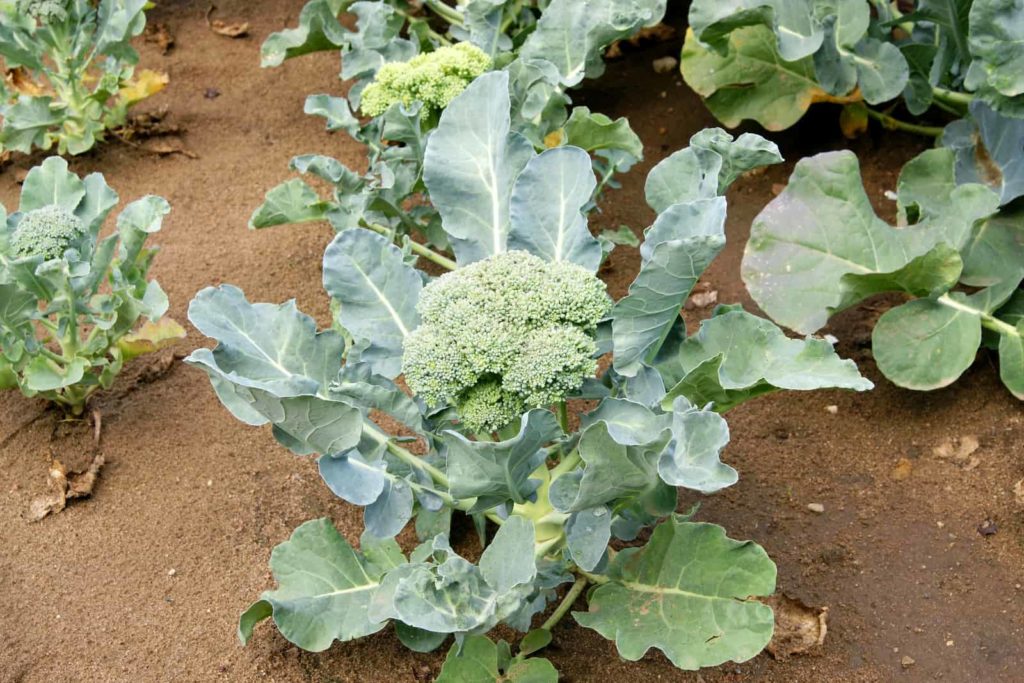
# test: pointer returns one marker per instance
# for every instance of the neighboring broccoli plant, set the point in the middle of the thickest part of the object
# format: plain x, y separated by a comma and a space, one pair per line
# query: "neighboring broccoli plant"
492, 352
818, 248
70, 301
69, 72
769, 61
402, 77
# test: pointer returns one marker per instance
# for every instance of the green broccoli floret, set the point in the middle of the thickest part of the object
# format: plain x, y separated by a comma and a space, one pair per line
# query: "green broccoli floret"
48, 232
44, 11
433, 78
503, 335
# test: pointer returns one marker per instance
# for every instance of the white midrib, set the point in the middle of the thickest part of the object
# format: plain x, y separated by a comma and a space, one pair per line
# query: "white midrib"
383, 299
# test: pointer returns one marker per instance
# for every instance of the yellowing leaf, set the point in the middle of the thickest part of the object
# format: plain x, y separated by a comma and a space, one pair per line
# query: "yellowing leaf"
553, 139
150, 337
19, 80
853, 120
145, 84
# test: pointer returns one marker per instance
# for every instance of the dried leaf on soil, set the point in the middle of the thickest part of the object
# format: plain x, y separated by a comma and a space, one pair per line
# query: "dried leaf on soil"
959, 451
798, 628
64, 486
160, 35
902, 469
659, 33
1018, 492
18, 80
145, 84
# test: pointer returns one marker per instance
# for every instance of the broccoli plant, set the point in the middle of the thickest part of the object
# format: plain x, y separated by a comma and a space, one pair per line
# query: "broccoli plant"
402, 76
491, 353
958, 253
70, 301
769, 61
69, 72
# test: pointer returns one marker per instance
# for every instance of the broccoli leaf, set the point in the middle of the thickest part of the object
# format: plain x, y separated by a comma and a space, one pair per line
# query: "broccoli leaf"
478, 661
997, 42
703, 585
324, 589
546, 208
377, 292
736, 356
800, 268
470, 165
988, 150
318, 29
793, 22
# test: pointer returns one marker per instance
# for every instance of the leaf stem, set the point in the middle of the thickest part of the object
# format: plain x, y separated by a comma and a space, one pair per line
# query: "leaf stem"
990, 321
893, 123
439, 477
952, 97
563, 416
566, 604
417, 248
449, 14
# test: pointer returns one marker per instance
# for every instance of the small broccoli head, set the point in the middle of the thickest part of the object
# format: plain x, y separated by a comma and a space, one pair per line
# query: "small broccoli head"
44, 11
503, 335
48, 232
433, 78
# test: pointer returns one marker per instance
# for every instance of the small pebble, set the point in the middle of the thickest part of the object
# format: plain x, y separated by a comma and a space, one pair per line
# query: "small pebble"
172, 572
664, 65
209, 482
949, 643
816, 507
832, 409
907, 662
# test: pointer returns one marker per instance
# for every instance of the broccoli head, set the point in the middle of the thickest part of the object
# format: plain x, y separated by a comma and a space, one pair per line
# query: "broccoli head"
48, 232
433, 78
503, 335
44, 11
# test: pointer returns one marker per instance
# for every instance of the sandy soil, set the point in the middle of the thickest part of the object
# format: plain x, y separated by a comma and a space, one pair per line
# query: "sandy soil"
90, 595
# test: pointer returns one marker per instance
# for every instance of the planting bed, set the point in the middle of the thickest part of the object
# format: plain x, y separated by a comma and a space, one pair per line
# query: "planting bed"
918, 557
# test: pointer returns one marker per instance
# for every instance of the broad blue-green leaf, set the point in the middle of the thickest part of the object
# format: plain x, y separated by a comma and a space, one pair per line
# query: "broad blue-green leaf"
691, 458
628, 422
587, 534
988, 150
28, 123
357, 384
1011, 360
470, 165
595, 131
324, 588
306, 424
351, 477
707, 167
546, 208
997, 43
335, 110
99, 199
698, 217
388, 515
994, 253
41, 375
690, 592
293, 201
643, 318
613, 471
796, 29
735, 356
51, 183
926, 344
822, 228
509, 559
271, 347
318, 29
418, 640
377, 292
500, 471
571, 34
137, 221
477, 661
882, 70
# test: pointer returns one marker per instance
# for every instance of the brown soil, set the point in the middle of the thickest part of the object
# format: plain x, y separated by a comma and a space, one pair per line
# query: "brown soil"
90, 595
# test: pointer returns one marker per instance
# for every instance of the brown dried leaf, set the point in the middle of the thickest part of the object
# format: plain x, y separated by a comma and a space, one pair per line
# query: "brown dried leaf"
64, 486
659, 33
238, 29
902, 469
798, 628
164, 148
959, 451
160, 35
1018, 492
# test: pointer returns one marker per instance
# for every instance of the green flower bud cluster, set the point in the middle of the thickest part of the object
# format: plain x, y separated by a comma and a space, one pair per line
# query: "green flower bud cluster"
48, 232
503, 335
433, 78
44, 11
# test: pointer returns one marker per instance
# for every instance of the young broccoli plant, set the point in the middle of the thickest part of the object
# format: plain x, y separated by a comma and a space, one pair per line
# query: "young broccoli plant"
818, 248
71, 302
868, 56
403, 77
491, 354
69, 68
